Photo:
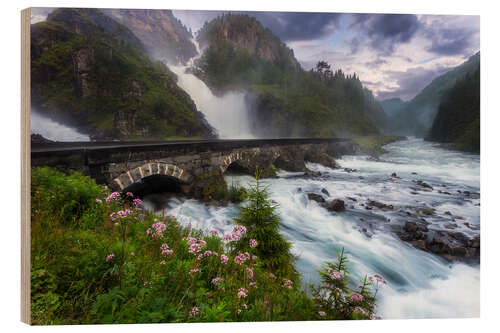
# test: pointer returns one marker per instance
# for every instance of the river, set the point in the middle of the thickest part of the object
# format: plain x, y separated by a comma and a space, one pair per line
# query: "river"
420, 284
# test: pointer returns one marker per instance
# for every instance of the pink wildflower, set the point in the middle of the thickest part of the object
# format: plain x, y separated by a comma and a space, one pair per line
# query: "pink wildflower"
137, 202
249, 273
322, 313
355, 297
216, 280
253, 284
242, 292
194, 271
253, 243
132, 254
335, 275
194, 311
149, 231
272, 276
223, 258
208, 295
110, 256
162, 262
213, 232
191, 240
240, 228
99, 201
165, 249
195, 248
129, 194
112, 196
241, 258
361, 311
159, 228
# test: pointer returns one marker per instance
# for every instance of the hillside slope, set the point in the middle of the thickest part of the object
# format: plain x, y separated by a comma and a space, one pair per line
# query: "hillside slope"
91, 72
240, 54
415, 117
458, 118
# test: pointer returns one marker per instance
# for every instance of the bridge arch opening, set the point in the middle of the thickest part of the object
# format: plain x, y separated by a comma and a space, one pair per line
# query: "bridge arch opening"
155, 184
237, 168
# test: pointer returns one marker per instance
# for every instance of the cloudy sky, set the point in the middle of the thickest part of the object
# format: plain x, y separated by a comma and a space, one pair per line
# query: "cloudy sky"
394, 55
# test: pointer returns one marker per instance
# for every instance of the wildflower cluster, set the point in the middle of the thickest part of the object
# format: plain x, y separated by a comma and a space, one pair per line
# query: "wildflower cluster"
158, 229
121, 214
241, 258
238, 232
112, 196
165, 250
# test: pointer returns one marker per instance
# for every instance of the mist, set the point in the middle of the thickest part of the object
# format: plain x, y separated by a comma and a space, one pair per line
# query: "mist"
54, 130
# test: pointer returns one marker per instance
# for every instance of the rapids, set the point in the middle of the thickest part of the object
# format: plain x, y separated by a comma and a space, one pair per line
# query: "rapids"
420, 284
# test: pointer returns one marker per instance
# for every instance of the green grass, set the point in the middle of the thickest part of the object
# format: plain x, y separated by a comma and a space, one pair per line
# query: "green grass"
373, 145
88, 268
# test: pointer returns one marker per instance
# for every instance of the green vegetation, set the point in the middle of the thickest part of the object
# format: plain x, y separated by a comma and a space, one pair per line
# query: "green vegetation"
98, 258
288, 101
93, 73
458, 120
415, 117
374, 145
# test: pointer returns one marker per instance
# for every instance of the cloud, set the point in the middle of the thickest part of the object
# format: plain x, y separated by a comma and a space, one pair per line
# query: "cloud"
452, 35
290, 26
39, 14
411, 81
386, 31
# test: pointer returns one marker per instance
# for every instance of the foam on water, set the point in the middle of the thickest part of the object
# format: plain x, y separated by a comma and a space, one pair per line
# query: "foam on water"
421, 285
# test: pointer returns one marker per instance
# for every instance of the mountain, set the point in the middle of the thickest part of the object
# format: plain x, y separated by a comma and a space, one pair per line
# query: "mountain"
163, 35
458, 119
392, 105
416, 116
286, 101
91, 72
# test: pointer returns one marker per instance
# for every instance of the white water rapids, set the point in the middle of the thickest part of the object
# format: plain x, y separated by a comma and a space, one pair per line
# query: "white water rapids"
421, 285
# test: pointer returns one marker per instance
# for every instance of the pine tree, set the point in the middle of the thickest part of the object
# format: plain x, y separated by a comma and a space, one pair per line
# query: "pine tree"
262, 223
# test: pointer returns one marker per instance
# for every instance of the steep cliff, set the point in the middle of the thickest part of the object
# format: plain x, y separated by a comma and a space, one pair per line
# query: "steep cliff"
163, 35
246, 33
91, 72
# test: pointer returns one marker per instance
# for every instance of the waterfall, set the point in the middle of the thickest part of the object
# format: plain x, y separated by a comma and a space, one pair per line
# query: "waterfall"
228, 114
53, 130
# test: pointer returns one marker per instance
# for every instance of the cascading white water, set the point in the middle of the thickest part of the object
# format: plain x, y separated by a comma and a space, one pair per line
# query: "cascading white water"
53, 130
228, 114
421, 285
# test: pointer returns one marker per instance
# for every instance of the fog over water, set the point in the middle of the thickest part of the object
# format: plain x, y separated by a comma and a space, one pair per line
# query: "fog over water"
53, 130
421, 285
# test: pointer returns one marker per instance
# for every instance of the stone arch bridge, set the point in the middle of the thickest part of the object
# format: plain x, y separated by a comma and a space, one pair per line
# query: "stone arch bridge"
120, 165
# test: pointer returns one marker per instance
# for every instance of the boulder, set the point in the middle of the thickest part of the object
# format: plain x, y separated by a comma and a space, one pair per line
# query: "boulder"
315, 197
379, 205
336, 205
325, 191
410, 227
